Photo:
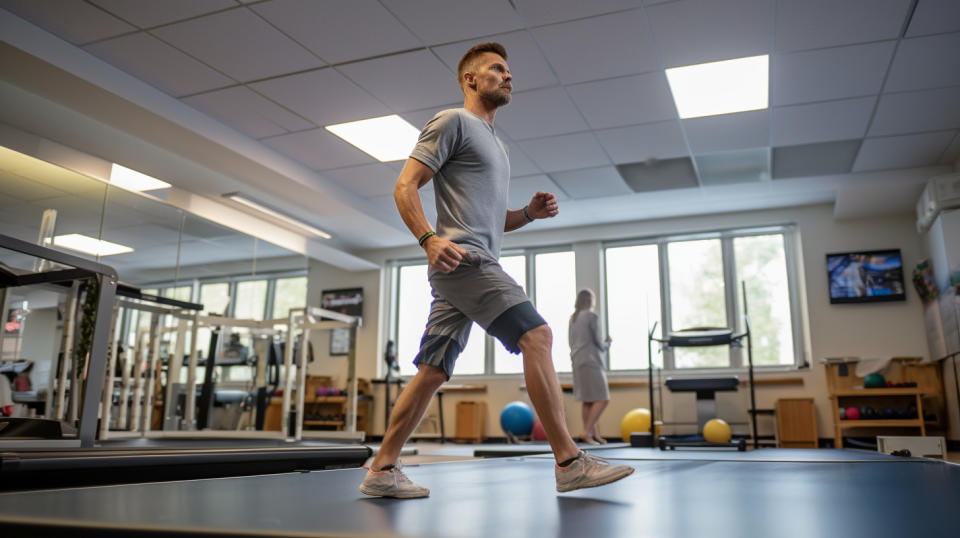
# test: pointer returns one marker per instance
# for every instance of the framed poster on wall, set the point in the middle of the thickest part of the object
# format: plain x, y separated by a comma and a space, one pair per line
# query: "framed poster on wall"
347, 301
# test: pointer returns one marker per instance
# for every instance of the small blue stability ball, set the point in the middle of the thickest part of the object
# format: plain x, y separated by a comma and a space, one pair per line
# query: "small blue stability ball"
517, 418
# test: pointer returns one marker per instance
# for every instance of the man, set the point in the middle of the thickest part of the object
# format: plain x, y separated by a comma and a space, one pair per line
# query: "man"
459, 148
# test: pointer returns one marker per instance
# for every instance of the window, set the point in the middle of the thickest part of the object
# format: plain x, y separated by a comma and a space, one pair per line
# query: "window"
215, 298
697, 299
633, 303
289, 293
413, 301
251, 299
702, 279
762, 265
484, 354
505, 362
556, 292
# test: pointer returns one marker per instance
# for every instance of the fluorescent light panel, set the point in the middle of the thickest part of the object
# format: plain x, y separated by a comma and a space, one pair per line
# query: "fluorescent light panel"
243, 199
720, 87
387, 138
90, 245
132, 180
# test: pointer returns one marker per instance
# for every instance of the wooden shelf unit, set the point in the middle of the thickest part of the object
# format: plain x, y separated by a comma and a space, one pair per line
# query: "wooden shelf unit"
846, 389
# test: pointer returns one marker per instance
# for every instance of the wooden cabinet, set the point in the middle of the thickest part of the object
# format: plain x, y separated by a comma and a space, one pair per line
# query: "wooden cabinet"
796, 423
895, 407
471, 422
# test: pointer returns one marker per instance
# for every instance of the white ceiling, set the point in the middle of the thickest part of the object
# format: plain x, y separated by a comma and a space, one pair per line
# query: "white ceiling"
857, 88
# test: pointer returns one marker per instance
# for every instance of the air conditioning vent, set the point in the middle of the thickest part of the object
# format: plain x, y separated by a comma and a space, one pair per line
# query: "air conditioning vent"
941, 192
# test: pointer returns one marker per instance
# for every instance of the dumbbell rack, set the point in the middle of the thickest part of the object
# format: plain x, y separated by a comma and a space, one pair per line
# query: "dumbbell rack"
897, 396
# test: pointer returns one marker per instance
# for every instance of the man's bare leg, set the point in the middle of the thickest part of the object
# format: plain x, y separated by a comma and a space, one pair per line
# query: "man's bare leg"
409, 409
544, 390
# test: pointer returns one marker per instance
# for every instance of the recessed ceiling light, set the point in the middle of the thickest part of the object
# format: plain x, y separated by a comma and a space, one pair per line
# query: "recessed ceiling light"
132, 180
90, 245
243, 199
720, 87
387, 138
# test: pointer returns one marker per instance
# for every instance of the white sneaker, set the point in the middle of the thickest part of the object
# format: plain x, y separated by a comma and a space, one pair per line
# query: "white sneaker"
391, 483
589, 471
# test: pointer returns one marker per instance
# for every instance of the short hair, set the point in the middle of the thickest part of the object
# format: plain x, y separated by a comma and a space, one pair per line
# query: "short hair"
472, 54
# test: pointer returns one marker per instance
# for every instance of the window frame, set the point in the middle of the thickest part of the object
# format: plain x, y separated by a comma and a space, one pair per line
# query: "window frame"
490, 343
732, 294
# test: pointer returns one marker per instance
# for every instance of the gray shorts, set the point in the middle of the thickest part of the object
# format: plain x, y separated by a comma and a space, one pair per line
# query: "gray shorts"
480, 291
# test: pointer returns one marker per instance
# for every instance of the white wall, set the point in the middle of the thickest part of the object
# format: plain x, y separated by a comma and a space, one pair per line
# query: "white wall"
866, 330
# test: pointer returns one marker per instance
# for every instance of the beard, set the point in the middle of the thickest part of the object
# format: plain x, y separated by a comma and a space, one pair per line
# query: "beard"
498, 97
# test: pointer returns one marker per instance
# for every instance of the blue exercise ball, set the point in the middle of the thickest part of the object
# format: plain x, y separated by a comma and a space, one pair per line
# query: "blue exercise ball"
517, 418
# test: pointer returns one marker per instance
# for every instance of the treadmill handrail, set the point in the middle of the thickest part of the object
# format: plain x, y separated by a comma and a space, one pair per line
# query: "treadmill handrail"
37, 251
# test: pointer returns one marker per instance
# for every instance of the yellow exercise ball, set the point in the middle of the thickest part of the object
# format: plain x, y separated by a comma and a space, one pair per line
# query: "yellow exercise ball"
636, 420
716, 430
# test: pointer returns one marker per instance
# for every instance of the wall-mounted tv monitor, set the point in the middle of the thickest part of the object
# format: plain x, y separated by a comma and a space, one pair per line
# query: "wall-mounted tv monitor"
866, 276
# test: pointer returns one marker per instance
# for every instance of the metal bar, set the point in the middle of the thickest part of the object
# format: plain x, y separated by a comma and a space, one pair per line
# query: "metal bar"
287, 364
17, 245
98, 360
65, 275
151, 377
189, 412
67, 356
106, 404
314, 312
351, 418
301, 382
173, 375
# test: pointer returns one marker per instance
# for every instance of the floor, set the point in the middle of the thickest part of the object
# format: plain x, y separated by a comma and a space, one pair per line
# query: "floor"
769, 493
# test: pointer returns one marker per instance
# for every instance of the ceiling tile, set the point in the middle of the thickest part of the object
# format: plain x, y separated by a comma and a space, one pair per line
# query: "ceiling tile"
522, 190
835, 73
366, 180
527, 65
697, 31
728, 131
76, 22
642, 142
520, 163
599, 47
912, 112
565, 152
821, 122
339, 30
240, 44
323, 96
248, 112
909, 151
952, 154
14, 186
591, 182
925, 62
810, 160
445, 21
728, 167
625, 101
408, 81
158, 64
419, 118
318, 149
810, 24
540, 12
539, 113
659, 175
147, 14
934, 17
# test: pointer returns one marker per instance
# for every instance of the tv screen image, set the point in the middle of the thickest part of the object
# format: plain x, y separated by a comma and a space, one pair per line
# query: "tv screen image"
868, 276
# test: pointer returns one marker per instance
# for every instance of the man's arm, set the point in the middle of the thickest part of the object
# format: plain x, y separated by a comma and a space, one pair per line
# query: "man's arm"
442, 254
543, 205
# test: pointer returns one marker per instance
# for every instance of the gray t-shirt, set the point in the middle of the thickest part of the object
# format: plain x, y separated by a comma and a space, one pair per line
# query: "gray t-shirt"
471, 178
